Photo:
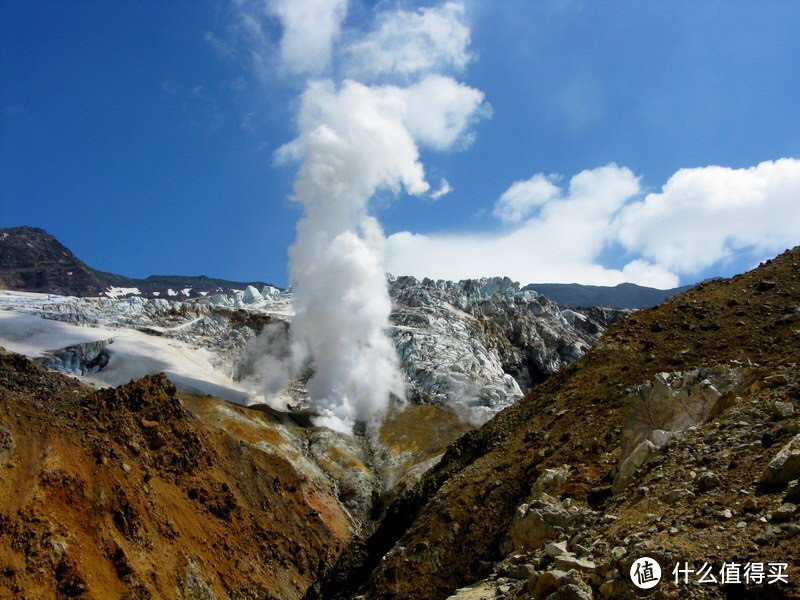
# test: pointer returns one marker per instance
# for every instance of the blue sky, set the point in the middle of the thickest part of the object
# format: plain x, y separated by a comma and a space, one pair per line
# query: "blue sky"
142, 135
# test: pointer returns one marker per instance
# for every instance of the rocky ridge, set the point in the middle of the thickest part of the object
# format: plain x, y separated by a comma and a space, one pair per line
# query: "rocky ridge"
558, 494
126, 493
33, 260
141, 491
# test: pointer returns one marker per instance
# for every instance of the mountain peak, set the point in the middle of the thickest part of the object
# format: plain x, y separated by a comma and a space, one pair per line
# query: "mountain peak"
33, 260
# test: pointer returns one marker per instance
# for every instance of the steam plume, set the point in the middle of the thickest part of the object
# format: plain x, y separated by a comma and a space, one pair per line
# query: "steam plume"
356, 139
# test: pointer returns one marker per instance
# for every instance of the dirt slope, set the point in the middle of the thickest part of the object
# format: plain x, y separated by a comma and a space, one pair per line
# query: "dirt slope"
123, 493
455, 525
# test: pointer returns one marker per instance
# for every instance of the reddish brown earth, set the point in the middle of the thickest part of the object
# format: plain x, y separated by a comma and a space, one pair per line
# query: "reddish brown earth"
123, 493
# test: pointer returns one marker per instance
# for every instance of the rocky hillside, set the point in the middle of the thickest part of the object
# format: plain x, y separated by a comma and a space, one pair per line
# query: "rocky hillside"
124, 493
478, 344
33, 260
145, 492
675, 437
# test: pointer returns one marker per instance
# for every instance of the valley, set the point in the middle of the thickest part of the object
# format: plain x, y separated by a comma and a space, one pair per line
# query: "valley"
539, 450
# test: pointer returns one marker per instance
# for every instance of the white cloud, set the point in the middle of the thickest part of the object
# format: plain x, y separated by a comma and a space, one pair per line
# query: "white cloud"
371, 133
705, 215
439, 111
524, 197
701, 217
310, 28
402, 46
559, 244
407, 43
444, 189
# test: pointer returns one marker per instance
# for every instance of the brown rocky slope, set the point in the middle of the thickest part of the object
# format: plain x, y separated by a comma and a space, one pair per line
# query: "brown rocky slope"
557, 466
124, 493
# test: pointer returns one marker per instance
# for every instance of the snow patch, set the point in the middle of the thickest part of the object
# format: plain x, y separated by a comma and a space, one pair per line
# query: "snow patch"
121, 292
133, 354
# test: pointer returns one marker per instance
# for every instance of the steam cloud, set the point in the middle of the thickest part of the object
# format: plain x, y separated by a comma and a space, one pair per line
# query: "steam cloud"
356, 138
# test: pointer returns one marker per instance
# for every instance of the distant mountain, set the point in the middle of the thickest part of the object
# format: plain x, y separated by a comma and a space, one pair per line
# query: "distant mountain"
32, 260
624, 295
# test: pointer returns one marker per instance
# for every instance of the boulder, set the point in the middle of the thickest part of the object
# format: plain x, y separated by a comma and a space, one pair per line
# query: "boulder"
782, 410
618, 553
677, 495
550, 482
546, 583
784, 512
660, 438
559, 585
566, 562
554, 549
793, 491
785, 467
708, 481
636, 459
573, 591
668, 404
544, 519
524, 571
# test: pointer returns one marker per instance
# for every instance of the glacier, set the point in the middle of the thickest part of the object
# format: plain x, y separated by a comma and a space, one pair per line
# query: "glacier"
473, 346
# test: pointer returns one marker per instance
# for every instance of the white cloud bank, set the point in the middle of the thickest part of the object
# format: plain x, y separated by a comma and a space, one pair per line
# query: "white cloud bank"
701, 216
